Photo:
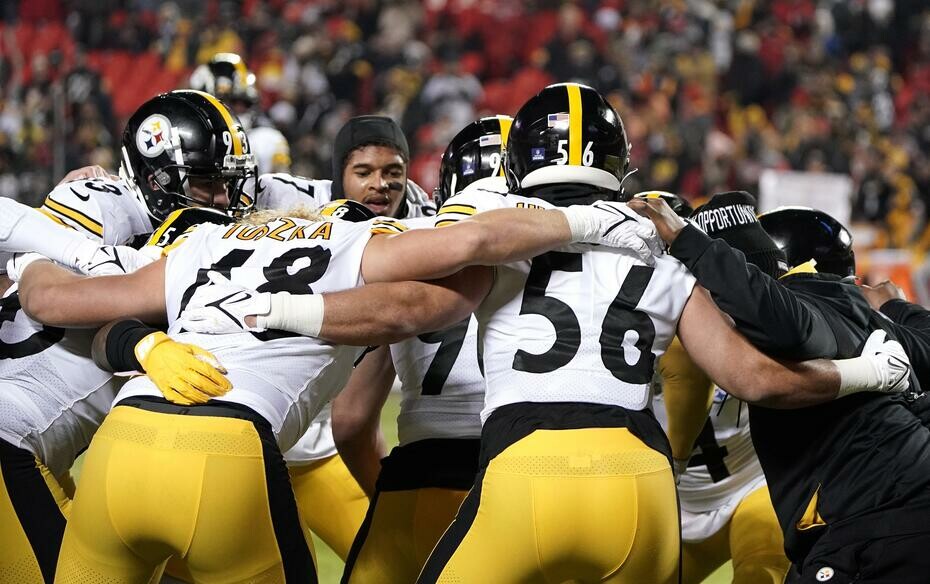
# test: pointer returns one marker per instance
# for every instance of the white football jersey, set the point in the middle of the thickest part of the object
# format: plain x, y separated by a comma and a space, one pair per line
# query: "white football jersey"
286, 191
582, 323
723, 469
285, 378
271, 150
52, 395
442, 389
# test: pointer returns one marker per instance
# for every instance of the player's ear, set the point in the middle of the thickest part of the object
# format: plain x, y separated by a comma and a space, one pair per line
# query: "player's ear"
152, 184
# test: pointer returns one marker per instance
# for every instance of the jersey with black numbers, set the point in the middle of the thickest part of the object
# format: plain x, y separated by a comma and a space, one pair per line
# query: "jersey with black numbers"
53, 396
442, 389
723, 468
286, 191
286, 378
578, 324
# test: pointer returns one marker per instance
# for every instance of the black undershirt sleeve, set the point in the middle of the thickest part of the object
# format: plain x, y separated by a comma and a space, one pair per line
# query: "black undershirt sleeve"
770, 315
121, 343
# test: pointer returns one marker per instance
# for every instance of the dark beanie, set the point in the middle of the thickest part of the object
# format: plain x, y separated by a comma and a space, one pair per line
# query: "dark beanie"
361, 131
732, 217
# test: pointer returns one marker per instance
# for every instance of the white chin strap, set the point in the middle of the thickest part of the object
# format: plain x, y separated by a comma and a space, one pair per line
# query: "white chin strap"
548, 175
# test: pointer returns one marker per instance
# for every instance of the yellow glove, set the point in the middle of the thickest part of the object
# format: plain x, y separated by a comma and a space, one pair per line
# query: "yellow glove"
185, 374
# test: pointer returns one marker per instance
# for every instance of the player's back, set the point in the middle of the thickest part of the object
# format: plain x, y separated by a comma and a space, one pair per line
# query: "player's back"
284, 377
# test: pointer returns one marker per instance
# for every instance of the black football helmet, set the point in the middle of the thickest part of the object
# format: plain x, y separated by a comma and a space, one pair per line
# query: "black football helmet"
347, 210
679, 205
475, 152
567, 135
226, 77
179, 136
804, 234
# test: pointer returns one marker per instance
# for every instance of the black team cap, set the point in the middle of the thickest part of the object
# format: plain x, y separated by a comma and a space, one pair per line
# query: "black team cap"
362, 131
731, 217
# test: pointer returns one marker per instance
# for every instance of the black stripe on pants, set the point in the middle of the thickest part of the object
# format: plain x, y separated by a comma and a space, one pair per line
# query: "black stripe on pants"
452, 538
38, 513
359, 542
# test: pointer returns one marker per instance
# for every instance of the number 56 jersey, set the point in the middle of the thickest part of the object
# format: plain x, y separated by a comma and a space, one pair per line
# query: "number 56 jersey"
580, 324
284, 377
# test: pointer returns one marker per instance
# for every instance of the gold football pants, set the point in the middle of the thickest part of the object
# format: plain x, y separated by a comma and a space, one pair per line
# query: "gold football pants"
330, 501
209, 486
582, 505
399, 533
33, 510
752, 539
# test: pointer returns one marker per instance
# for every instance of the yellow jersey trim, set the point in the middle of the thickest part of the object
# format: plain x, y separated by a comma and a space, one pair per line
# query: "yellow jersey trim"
83, 220
807, 267
53, 218
458, 208
574, 124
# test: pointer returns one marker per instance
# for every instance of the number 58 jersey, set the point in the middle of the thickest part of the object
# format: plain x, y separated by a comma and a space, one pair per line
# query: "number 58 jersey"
284, 377
579, 324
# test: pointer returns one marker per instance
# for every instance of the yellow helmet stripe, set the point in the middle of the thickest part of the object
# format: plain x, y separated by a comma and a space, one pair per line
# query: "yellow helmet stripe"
227, 117
504, 122
574, 124
242, 71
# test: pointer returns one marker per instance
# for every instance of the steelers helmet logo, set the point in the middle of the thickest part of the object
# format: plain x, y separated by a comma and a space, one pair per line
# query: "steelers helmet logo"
154, 136
825, 574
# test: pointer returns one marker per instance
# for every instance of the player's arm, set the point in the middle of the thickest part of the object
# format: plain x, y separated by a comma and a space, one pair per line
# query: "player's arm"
58, 297
688, 394
767, 313
501, 236
734, 364
357, 417
397, 311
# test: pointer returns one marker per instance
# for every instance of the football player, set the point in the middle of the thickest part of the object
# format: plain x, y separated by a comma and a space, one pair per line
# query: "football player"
726, 512
370, 157
53, 396
227, 77
123, 525
571, 454
424, 480
846, 514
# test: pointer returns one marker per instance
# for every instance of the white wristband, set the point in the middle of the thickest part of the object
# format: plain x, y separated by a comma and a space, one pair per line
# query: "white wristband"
857, 374
581, 222
298, 313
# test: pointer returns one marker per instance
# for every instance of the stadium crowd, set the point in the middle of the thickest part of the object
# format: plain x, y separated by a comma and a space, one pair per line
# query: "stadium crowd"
713, 91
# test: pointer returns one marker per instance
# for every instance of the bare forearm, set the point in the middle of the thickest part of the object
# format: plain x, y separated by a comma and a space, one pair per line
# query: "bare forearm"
508, 236
362, 455
58, 297
357, 417
790, 385
386, 313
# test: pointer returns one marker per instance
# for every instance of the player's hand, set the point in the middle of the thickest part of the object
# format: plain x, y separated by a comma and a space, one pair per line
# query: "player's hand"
109, 260
86, 172
890, 361
17, 264
881, 293
667, 223
185, 374
223, 307
614, 225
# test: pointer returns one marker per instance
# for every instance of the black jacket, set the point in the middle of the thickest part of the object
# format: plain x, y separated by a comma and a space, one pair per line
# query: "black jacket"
864, 460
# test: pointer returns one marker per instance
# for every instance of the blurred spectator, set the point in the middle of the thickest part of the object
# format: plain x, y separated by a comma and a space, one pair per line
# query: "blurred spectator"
712, 92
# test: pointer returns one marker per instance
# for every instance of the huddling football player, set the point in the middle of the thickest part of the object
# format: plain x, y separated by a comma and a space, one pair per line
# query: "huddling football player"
849, 479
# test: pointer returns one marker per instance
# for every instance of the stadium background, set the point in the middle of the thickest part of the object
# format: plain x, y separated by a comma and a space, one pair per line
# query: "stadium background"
714, 93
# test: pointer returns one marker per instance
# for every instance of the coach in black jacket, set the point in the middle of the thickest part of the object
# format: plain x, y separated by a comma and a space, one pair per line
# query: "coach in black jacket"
849, 479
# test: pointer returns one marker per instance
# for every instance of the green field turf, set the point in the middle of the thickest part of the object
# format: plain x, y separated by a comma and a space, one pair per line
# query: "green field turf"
329, 566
